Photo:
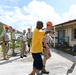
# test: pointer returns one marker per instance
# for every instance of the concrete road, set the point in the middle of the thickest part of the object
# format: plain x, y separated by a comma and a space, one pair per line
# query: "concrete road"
59, 64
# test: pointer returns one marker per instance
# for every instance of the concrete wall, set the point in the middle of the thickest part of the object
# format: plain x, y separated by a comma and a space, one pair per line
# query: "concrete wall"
69, 36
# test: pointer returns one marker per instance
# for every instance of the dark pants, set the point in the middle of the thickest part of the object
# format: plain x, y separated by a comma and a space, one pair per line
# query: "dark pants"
38, 62
13, 44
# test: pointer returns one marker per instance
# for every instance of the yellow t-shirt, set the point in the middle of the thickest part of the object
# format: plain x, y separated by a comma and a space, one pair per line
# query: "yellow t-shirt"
37, 38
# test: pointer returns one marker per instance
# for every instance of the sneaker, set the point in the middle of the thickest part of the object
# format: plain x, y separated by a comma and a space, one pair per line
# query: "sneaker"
21, 56
6, 58
45, 72
24, 56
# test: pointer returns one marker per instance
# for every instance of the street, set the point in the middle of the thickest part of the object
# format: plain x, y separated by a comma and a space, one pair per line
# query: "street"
59, 64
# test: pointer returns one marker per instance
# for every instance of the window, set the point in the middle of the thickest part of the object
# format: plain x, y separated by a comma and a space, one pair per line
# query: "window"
74, 33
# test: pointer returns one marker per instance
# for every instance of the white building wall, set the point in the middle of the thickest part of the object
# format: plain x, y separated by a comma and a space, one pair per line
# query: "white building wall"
69, 36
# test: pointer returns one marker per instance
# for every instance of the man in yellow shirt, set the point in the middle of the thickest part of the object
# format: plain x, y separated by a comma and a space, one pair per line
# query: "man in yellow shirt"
36, 48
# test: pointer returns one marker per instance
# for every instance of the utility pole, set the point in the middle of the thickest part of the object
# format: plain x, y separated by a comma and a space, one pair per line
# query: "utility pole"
31, 28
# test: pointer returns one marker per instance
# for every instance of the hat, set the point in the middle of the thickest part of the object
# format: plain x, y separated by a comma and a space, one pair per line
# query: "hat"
6, 27
49, 23
29, 29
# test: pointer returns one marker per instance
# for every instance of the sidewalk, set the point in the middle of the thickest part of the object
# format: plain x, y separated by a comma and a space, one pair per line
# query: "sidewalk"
59, 64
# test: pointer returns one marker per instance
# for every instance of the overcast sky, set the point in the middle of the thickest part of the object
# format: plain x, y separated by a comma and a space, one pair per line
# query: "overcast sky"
21, 14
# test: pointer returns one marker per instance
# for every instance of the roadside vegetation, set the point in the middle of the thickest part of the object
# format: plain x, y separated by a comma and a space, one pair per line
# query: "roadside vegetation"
66, 48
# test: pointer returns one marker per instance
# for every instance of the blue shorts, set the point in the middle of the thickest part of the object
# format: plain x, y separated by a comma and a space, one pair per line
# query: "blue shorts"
38, 62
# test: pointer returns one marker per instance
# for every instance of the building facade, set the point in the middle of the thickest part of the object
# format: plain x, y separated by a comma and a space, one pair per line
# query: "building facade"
66, 32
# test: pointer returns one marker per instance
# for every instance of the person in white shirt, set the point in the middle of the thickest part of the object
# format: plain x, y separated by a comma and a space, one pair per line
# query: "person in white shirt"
46, 52
13, 41
5, 42
23, 44
29, 38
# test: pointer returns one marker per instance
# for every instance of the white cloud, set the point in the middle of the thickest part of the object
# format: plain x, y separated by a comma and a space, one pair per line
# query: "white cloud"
42, 10
70, 14
22, 18
14, 1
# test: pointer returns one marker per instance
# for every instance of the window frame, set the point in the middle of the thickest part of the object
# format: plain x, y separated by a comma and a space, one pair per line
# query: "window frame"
73, 33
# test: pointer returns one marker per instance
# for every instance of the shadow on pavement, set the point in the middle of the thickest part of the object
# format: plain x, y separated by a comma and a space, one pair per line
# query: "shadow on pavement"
67, 56
8, 61
71, 69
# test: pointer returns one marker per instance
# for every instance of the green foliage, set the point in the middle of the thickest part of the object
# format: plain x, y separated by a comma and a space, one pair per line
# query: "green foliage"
17, 44
1, 28
66, 49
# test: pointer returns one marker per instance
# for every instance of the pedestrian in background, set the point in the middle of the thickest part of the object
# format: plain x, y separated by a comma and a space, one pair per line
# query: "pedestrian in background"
5, 42
23, 44
13, 41
29, 38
